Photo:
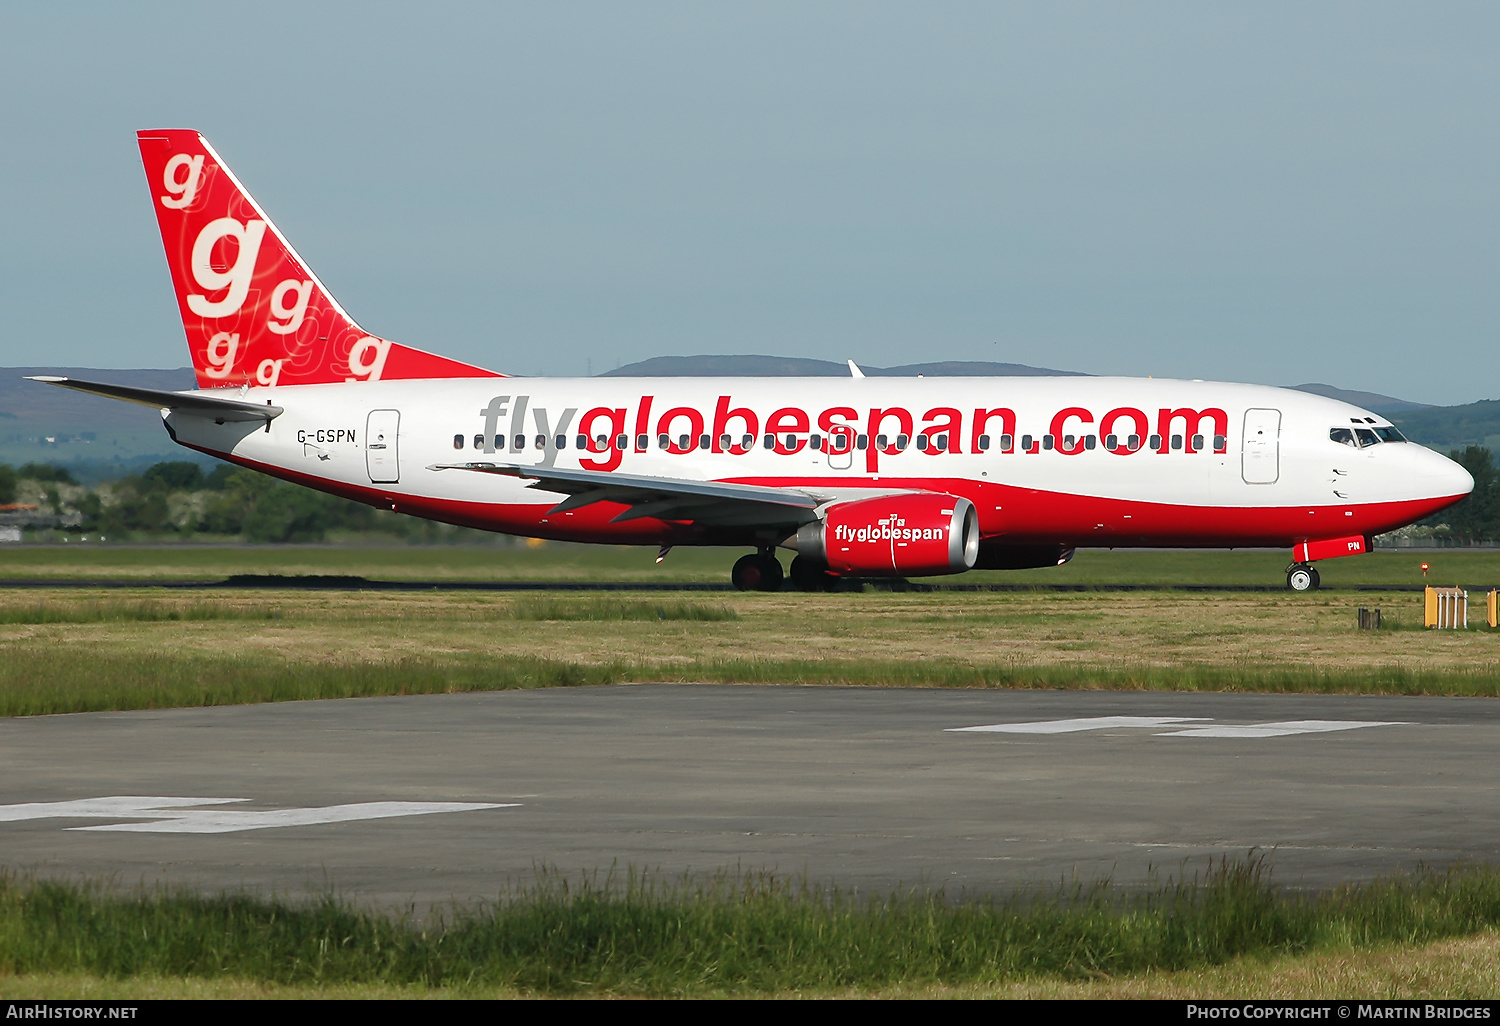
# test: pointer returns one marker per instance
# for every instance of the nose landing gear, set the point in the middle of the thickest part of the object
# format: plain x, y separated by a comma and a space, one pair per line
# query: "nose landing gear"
1301, 577
760, 572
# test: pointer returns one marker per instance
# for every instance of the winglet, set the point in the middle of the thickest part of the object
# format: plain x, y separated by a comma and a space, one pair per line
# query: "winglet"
854, 371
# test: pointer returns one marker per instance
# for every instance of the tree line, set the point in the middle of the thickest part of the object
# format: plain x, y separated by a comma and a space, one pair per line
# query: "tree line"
180, 499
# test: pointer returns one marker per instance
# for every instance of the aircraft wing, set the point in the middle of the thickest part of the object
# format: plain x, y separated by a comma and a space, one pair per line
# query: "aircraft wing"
665, 498
219, 408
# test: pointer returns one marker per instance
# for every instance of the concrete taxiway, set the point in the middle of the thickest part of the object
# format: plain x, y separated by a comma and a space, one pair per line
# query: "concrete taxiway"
454, 797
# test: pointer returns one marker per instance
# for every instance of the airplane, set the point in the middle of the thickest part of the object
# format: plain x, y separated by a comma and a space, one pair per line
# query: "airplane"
858, 477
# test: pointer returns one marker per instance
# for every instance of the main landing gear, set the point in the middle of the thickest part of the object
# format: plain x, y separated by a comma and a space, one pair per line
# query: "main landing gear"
760, 572
812, 575
1301, 577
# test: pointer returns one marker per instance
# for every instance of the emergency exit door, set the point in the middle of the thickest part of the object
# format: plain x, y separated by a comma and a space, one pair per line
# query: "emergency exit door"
1260, 447
382, 457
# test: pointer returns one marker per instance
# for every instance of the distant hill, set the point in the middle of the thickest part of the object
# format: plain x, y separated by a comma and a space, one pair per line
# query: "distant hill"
795, 367
96, 436
1372, 401
1453, 427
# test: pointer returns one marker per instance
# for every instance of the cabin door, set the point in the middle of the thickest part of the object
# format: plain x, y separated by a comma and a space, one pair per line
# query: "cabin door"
382, 457
1260, 447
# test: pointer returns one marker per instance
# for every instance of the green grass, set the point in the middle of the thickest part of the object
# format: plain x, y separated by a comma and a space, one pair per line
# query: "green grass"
735, 934
561, 561
545, 607
101, 611
36, 682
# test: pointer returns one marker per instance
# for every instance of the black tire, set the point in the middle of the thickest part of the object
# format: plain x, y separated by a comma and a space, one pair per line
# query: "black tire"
748, 572
811, 575
1301, 578
1317, 581
771, 574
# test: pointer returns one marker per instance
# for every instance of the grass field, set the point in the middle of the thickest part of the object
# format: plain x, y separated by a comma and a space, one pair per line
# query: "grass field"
80, 650
96, 649
83, 649
563, 562
753, 934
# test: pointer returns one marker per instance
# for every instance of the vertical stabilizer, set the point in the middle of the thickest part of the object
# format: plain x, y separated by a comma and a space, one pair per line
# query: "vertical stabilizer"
254, 313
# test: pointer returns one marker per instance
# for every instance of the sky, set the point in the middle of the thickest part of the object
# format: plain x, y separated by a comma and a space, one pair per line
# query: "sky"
1270, 192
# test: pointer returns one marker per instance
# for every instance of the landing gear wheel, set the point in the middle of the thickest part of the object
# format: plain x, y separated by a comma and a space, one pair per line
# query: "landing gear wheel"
757, 573
1301, 577
811, 575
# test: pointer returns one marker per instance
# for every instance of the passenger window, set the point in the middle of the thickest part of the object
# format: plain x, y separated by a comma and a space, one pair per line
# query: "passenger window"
984, 443
1068, 441
602, 442
703, 441
458, 441
922, 443
1197, 441
1005, 442
902, 442
1046, 441
723, 441
1366, 437
1133, 442
582, 441
1220, 443
1088, 441
791, 442
541, 441
882, 441
1177, 441
642, 442
682, 442
662, 441
520, 443
622, 442
770, 441
562, 441
942, 443
1026, 442
479, 441
861, 442
1111, 442
747, 441
815, 442
1154, 441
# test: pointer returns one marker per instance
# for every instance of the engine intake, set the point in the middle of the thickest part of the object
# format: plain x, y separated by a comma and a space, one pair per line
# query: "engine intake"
915, 534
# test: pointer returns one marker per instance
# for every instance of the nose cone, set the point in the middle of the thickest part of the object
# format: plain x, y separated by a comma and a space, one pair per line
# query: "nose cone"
1448, 477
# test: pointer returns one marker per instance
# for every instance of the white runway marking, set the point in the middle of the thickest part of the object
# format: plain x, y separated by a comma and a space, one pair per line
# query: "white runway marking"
175, 816
1072, 726
1281, 729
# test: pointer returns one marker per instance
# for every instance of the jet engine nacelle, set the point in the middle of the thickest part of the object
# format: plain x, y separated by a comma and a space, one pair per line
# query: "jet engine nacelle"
914, 534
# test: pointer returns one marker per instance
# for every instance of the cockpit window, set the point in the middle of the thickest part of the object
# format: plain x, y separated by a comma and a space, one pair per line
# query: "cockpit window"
1341, 435
1390, 434
1366, 437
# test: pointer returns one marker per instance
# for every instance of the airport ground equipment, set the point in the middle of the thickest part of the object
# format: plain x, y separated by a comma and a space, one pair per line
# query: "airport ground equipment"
1446, 608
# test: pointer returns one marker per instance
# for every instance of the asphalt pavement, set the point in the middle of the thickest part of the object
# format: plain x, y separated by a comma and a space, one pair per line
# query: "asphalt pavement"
454, 798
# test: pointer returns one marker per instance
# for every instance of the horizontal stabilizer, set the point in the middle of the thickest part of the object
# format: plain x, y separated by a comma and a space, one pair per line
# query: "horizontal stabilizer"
220, 408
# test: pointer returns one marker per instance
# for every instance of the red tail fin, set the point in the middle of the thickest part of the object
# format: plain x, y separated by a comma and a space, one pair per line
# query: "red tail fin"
254, 313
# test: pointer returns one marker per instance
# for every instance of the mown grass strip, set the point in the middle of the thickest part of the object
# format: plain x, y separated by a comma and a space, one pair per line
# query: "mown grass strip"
145, 610
38, 682
546, 607
738, 933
